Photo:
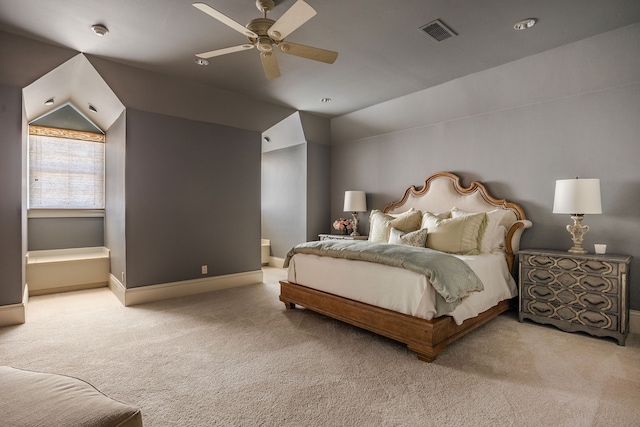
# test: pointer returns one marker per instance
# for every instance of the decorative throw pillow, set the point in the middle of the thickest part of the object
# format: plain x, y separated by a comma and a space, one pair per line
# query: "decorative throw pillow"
416, 238
461, 235
380, 224
494, 218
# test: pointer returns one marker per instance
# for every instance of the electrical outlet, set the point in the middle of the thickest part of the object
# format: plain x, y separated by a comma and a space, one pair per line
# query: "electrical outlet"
204, 269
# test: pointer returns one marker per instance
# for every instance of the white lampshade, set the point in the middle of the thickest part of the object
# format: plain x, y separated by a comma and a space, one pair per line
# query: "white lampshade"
355, 201
577, 196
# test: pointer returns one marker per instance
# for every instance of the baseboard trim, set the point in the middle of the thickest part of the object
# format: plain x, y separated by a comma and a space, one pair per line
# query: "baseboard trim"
634, 322
15, 314
276, 262
151, 293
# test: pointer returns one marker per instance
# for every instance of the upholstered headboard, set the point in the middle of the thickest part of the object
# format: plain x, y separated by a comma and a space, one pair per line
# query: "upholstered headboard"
443, 191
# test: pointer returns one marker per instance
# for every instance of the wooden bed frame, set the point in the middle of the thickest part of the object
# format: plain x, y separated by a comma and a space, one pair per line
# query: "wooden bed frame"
427, 338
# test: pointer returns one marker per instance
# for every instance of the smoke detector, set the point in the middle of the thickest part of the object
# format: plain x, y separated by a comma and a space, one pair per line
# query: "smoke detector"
100, 30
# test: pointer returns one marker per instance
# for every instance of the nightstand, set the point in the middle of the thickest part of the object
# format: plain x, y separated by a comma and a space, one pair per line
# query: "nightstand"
573, 292
341, 237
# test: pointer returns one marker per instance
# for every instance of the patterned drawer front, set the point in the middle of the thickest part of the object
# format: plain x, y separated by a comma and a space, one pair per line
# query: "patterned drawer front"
593, 319
588, 266
571, 279
576, 298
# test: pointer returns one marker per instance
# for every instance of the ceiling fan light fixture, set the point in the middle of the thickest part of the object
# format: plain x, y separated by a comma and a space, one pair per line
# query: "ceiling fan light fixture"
264, 44
100, 30
525, 24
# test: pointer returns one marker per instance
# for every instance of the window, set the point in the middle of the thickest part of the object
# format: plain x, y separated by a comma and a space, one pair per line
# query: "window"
66, 169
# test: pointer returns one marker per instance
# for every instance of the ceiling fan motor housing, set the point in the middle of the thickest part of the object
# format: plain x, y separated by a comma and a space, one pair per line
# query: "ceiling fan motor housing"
260, 26
265, 5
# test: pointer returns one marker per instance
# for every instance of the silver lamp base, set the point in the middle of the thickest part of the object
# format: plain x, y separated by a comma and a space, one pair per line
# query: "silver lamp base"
354, 215
577, 231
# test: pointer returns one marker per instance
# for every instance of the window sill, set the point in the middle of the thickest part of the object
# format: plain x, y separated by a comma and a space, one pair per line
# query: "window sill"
65, 213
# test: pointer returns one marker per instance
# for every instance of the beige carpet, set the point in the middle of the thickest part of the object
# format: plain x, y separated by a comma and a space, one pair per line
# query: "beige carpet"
237, 358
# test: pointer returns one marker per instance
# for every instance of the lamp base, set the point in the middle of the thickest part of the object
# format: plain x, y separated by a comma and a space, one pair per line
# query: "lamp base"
355, 224
577, 250
577, 231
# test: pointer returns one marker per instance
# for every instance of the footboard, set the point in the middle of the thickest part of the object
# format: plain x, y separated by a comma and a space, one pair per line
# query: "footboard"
426, 338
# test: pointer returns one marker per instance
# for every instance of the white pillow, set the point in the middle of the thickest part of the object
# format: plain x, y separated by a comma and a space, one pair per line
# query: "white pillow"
497, 243
380, 224
427, 217
494, 218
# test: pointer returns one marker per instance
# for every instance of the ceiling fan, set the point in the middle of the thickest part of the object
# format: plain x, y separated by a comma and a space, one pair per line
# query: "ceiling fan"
268, 35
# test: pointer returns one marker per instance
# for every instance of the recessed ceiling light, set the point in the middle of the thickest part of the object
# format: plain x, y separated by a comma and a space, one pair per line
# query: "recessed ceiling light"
325, 100
100, 30
92, 108
201, 61
49, 101
525, 24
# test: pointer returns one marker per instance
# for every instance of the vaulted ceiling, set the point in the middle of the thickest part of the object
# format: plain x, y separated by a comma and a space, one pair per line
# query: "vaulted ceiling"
382, 54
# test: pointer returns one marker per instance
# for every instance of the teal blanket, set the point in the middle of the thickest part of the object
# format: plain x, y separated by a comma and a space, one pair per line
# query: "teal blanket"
451, 277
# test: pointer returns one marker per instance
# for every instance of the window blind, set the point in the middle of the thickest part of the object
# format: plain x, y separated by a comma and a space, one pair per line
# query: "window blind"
65, 173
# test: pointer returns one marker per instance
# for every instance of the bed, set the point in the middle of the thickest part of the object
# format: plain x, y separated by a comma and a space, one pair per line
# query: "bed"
397, 299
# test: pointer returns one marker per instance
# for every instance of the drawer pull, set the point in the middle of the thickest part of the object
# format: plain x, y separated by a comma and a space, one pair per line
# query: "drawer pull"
596, 321
541, 293
542, 310
595, 284
541, 262
542, 277
595, 304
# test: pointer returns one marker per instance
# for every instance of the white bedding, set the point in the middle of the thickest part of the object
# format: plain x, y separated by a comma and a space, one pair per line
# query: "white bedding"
402, 290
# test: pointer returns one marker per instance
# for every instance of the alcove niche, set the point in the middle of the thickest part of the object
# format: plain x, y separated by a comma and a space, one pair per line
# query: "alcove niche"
75, 96
296, 182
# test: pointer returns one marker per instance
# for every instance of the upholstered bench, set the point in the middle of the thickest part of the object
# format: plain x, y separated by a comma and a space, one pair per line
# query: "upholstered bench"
37, 399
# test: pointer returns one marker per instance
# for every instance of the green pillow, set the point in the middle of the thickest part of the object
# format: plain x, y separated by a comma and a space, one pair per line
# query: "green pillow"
461, 235
380, 224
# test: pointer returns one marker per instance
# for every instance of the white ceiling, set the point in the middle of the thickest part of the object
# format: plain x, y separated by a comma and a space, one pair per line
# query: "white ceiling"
382, 55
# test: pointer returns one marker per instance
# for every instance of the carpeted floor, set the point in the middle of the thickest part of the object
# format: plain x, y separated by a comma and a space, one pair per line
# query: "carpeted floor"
237, 358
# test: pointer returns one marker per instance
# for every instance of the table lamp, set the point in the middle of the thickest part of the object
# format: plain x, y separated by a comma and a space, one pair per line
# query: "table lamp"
577, 197
354, 202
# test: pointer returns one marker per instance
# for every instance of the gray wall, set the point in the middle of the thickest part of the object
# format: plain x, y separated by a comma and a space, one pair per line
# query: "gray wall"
284, 198
295, 195
571, 111
318, 189
115, 206
62, 233
192, 199
296, 176
11, 196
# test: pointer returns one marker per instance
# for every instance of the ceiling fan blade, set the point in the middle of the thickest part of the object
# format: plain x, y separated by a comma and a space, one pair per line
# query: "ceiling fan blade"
218, 52
225, 19
270, 65
293, 18
322, 55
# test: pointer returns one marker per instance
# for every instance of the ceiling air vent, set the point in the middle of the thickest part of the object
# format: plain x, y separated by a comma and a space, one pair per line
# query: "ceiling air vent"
437, 30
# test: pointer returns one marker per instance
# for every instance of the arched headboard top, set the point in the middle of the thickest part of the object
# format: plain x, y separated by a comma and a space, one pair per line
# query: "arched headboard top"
443, 191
